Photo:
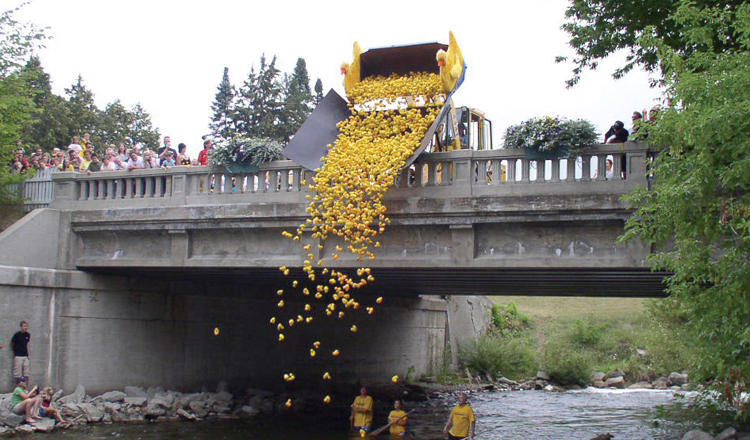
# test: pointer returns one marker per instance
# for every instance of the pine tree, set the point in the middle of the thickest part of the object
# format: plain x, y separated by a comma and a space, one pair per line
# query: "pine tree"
114, 125
50, 124
141, 129
83, 112
298, 100
259, 109
318, 91
222, 122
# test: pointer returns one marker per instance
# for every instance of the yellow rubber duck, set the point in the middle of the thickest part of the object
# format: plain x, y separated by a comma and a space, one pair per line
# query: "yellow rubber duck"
351, 71
451, 64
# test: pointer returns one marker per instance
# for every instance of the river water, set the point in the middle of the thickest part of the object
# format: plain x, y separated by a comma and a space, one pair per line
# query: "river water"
537, 415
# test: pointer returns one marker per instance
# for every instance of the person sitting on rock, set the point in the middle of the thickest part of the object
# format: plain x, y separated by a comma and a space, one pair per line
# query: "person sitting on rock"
26, 402
46, 409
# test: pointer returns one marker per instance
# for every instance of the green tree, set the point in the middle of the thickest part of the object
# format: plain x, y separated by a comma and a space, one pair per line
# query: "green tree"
84, 115
222, 122
298, 100
114, 125
318, 91
697, 213
49, 126
599, 28
17, 42
259, 109
141, 130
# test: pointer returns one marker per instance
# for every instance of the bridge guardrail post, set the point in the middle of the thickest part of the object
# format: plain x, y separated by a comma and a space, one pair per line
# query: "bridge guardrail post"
66, 190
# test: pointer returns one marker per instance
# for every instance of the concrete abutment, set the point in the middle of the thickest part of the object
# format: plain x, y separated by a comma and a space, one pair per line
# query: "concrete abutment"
108, 331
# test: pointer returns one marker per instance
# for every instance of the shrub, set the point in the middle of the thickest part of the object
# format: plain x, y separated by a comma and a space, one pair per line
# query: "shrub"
565, 363
497, 356
559, 136
508, 320
589, 332
246, 150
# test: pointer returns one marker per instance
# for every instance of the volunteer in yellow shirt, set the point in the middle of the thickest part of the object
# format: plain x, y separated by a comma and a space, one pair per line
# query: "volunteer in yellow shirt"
461, 420
361, 417
398, 419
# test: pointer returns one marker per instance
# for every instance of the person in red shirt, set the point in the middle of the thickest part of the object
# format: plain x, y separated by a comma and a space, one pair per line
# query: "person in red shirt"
203, 156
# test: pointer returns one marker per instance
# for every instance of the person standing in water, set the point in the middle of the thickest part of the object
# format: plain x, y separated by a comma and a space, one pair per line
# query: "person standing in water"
398, 419
361, 417
461, 420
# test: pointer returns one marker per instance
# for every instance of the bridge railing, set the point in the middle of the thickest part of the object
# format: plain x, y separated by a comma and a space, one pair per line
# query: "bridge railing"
460, 172
37, 191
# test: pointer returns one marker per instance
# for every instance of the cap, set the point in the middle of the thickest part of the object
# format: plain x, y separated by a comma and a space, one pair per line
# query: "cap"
22, 379
619, 124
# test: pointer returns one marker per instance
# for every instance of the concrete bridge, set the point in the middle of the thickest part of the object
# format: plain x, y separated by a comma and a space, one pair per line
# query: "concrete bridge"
123, 257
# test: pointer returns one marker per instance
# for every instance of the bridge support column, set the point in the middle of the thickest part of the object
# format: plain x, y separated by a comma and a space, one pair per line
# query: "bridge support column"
463, 248
179, 242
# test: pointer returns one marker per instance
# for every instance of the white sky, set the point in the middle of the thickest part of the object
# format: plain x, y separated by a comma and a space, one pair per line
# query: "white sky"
169, 55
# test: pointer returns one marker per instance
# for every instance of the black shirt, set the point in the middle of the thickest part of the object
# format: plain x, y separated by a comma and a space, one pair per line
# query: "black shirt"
622, 136
20, 344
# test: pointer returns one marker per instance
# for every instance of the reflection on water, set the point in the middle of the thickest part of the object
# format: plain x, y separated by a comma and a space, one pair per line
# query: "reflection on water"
506, 415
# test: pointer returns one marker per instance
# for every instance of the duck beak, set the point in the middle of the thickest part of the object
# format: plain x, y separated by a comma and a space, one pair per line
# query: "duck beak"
343, 71
441, 63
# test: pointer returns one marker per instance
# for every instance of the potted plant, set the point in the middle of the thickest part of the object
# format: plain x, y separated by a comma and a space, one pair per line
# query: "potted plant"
549, 138
244, 154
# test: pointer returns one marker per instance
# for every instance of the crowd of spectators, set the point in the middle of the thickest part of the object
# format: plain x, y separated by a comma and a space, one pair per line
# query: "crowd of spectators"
81, 156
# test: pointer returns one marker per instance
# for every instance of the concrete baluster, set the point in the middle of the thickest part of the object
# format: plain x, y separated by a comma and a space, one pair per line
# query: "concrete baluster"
601, 167
541, 166
555, 163
511, 170
525, 170
418, 174
586, 168
296, 179
617, 167
570, 169
481, 171
150, 187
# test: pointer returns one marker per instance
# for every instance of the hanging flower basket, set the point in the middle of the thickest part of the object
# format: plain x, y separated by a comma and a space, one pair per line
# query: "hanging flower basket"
244, 155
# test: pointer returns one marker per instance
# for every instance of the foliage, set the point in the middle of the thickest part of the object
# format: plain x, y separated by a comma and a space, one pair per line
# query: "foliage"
599, 28
507, 320
698, 211
565, 363
259, 107
496, 356
589, 332
318, 91
17, 42
222, 124
553, 135
246, 150
298, 100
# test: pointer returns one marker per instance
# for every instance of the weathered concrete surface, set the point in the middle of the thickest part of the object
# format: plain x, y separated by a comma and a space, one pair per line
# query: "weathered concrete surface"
468, 316
33, 241
108, 332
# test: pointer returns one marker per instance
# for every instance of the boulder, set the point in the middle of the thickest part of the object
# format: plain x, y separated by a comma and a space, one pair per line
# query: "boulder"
76, 397
112, 407
154, 410
660, 383
136, 401
135, 392
160, 403
92, 413
250, 411
599, 384
615, 382
727, 434
12, 420
641, 385
641, 353
186, 399
598, 376
542, 375
677, 379
606, 436
507, 381
28, 429
113, 396
616, 373
166, 398
697, 435
223, 396
44, 425
185, 415
196, 406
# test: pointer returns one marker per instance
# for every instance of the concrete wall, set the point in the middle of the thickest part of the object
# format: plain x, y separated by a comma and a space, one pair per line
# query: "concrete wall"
107, 332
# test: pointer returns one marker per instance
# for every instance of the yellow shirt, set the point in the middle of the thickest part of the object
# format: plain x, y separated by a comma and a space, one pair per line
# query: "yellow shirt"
85, 165
462, 417
398, 418
363, 418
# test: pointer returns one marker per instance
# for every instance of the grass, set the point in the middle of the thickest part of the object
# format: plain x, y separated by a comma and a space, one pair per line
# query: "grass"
571, 337
10, 214
545, 307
